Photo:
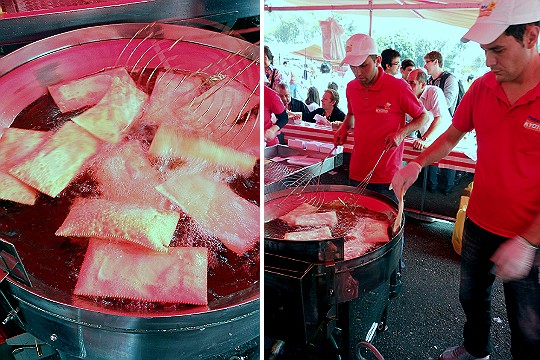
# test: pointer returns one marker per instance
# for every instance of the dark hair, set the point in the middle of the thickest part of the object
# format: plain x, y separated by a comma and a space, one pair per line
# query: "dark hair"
283, 86
268, 54
312, 96
421, 76
517, 31
332, 85
406, 63
325, 68
373, 57
435, 55
387, 56
335, 95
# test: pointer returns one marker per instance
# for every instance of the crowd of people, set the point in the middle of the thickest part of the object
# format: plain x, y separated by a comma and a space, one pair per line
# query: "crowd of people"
389, 99
322, 105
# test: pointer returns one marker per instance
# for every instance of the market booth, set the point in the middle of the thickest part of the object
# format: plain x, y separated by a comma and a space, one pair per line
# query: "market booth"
139, 272
323, 299
461, 158
320, 300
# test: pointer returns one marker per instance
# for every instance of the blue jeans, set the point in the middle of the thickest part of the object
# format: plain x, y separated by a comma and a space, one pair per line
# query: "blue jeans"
449, 177
522, 297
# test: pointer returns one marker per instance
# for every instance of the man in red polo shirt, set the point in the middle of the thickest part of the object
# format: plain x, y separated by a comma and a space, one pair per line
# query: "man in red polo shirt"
376, 107
502, 233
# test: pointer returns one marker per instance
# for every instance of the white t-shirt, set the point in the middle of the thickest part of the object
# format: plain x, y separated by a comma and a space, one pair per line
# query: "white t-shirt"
434, 101
313, 106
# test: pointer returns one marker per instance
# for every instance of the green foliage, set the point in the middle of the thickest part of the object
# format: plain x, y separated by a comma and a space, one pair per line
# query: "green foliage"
292, 30
413, 42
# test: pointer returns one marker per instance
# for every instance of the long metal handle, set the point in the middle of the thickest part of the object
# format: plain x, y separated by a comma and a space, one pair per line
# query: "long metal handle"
401, 205
11, 263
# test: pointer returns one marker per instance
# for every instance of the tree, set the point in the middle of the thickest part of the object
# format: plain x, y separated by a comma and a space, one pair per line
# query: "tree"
286, 31
293, 29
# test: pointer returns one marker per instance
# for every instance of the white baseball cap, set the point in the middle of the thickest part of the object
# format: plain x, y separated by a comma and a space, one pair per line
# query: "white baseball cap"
497, 15
358, 48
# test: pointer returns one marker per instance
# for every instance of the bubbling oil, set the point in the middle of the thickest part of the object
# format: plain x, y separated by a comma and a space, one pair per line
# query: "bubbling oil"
56, 261
347, 214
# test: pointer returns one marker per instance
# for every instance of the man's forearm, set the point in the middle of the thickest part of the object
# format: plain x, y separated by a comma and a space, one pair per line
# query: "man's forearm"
434, 128
441, 147
348, 122
415, 124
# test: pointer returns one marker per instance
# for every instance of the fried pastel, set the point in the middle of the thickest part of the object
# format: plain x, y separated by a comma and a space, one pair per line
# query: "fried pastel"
356, 248
113, 220
216, 208
87, 91
321, 233
172, 90
218, 109
366, 235
302, 209
120, 270
15, 144
369, 230
125, 175
328, 218
114, 113
171, 142
14, 190
57, 160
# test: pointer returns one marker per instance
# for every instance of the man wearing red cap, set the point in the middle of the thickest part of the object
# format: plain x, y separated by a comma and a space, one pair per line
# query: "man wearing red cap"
502, 233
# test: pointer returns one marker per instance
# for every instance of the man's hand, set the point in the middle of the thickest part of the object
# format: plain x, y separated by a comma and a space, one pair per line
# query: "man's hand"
395, 139
405, 177
271, 133
419, 144
513, 259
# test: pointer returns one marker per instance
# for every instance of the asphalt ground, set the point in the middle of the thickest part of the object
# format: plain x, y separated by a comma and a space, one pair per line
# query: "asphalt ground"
426, 318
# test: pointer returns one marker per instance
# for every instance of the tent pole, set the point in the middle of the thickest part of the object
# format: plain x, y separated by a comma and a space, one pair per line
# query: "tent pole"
370, 16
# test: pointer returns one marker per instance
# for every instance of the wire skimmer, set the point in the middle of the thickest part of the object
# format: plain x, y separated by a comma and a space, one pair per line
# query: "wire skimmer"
208, 81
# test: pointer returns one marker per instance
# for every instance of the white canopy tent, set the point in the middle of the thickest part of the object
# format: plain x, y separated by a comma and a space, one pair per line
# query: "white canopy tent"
460, 13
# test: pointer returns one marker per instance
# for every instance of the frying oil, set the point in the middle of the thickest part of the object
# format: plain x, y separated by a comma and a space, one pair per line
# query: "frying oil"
55, 261
347, 214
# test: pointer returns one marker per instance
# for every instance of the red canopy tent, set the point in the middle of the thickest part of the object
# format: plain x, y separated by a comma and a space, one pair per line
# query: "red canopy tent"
460, 13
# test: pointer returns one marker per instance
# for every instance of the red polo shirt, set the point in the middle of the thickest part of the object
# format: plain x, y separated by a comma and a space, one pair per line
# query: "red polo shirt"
506, 195
379, 111
272, 105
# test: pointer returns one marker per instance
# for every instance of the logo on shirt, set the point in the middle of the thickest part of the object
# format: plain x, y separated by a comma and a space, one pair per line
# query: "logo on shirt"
383, 109
485, 10
532, 124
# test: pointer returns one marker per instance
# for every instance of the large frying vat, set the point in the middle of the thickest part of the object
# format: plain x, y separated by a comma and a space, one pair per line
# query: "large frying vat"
80, 327
313, 297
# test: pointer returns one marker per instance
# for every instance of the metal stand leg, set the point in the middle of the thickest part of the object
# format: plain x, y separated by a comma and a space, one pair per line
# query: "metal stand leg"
424, 188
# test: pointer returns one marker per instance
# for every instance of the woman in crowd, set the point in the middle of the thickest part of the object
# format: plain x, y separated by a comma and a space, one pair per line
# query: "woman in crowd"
329, 110
312, 101
273, 76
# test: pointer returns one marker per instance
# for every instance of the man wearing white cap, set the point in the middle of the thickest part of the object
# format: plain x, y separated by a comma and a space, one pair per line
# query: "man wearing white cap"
376, 107
502, 233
